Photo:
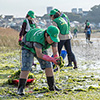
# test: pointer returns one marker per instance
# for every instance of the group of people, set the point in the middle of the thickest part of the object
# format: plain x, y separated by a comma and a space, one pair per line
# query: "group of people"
36, 41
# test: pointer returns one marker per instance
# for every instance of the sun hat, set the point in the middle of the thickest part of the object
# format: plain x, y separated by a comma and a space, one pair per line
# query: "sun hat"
56, 10
52, 12
88, 23
53, 33
31, 14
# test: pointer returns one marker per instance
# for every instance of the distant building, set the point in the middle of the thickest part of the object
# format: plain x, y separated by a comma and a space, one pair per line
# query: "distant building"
18, 20
80, 11
49, 9
9, 17
74, 10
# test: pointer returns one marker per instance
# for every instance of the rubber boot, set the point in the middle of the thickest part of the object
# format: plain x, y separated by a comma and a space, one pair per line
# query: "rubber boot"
75, 65
52, 87
21, 86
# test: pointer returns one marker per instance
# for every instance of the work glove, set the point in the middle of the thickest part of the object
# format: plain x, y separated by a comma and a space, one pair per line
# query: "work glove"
50, 59
20, 41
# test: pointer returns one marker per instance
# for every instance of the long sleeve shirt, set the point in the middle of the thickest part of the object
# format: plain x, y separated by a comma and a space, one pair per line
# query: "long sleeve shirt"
23, 29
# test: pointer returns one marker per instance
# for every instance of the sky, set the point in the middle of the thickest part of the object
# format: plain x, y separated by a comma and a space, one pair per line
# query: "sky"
19, 8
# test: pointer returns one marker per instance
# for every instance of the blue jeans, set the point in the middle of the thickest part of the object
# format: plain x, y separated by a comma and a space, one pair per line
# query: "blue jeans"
27, 60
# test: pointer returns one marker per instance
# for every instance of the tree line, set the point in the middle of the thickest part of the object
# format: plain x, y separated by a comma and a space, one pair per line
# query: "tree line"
93, 15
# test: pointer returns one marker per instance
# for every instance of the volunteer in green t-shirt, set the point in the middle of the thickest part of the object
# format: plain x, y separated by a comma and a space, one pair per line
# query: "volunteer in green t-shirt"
28, 24
75, 32
64, 36
35, 44
64, 16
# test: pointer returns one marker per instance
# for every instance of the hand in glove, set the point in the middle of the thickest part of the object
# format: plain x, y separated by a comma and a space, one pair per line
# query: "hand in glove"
50, 59
20, 41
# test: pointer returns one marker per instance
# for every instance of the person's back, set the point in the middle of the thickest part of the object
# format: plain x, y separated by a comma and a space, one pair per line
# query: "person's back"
64, 36
35, 35
63, 26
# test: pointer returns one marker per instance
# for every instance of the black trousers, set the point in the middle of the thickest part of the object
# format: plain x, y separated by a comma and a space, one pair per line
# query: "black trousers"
67, 45
88, 36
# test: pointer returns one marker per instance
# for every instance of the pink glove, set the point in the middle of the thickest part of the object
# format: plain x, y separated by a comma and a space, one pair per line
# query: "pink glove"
50, 59
20, 39
56, 56
57, 59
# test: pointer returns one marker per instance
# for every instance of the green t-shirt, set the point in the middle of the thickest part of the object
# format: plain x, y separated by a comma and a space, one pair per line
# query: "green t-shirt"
75, 30
36, 35
62, 25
